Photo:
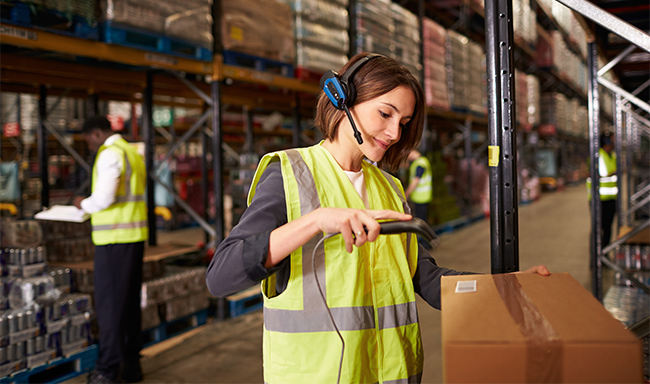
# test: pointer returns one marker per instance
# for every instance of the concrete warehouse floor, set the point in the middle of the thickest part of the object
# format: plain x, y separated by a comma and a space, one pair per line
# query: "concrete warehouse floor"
553, 231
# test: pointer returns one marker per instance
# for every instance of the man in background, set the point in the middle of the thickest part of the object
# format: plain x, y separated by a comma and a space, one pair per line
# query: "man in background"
119, 229
608, 189
419, 190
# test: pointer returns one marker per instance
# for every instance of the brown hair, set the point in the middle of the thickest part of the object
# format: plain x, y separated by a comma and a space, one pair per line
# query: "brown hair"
375, 78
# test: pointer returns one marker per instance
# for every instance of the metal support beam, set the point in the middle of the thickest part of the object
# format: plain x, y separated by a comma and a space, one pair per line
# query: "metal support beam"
149, 136
502, 150
186, 207
204, 181
618, 144
92, 105
626, 237
198, 124
42, 147
609, 21
594, 132
630, 97
217, 162
605, 260
616, 60
67, 146
193, 87
636, 206
248, 126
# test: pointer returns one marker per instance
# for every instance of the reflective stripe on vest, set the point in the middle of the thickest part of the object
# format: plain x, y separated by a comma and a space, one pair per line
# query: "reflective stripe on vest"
125, 220
373, 305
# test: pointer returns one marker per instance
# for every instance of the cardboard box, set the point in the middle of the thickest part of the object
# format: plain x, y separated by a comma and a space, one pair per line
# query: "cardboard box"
530, 328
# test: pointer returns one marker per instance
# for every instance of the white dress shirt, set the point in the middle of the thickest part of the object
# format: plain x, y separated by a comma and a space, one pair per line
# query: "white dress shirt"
109, 170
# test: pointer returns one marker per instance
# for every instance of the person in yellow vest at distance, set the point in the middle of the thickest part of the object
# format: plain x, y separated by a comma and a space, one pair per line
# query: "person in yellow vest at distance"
118, 215
298, 197
420, 190
608, 188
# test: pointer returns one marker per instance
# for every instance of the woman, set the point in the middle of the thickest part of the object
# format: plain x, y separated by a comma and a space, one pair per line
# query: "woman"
368, 281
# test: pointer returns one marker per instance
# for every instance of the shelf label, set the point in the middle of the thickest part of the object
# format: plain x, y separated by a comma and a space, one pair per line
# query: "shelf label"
11, 129
493, 155
18, 33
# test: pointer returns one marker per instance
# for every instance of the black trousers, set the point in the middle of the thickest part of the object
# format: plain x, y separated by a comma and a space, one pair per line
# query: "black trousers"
608, 210
118, 281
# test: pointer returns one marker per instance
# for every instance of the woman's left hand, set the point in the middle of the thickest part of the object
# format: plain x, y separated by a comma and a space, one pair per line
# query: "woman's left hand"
537, 270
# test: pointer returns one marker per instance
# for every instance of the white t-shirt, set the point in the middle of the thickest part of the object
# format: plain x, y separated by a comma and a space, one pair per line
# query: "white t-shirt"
359, 183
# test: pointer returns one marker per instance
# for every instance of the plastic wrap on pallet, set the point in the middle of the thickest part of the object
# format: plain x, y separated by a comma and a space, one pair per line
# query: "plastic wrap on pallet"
318, 59
435, 73
322, 12
150, 317
406, 41
476, 88
554, 110
320, 36
177, 282
533, 96
261, 28
23, 262
176, 308
190, 20
21, 233
375, 31
457, 55
521, 93
83, 8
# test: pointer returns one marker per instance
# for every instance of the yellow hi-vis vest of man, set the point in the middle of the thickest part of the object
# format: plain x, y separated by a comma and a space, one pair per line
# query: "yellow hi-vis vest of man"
125, 221
370, 291
608, 189
423, 192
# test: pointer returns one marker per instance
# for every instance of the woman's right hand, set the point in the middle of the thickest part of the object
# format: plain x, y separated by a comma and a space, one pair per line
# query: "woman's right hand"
347, 221
357, 226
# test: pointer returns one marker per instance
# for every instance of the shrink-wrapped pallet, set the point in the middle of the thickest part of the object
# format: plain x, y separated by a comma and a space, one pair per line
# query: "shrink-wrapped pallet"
375, 27
258, 27
533, 98
435, 72
189, 20
476, 86
458, 67
321, 34
407, 40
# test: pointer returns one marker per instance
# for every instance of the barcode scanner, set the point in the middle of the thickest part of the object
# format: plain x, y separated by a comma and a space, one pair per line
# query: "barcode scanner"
341, 92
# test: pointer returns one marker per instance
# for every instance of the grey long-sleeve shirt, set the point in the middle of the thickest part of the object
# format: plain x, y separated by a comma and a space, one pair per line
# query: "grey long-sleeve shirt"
239, 260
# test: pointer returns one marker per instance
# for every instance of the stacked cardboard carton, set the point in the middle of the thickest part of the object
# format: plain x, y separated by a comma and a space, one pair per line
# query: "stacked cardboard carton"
435, 72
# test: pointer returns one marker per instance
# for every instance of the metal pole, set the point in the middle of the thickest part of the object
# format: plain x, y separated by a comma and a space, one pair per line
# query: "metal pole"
468, 159
92, 105
217, 177
248, 125
594, 131
618, 148
296, 122
149, 136
42, 147
352, 12
204, 179
502, 151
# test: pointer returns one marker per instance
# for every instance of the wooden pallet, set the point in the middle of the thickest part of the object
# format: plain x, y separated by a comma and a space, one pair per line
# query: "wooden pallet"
257, 63
49, 20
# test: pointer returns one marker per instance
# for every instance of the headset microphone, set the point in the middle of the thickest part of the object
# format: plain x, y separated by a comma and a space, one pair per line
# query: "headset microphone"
341, 91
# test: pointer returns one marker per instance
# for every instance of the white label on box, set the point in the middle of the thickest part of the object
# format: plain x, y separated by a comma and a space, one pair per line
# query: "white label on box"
466, 286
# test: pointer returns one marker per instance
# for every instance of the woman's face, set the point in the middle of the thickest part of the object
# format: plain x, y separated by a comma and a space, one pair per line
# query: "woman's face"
380, 121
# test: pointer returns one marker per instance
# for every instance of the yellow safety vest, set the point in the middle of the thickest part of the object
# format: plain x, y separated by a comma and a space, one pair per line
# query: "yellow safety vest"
608, 188
370, 292
125, 221
423, 192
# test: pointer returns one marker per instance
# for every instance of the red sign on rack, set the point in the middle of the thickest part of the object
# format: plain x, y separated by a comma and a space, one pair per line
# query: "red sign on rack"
117, 122
11, 129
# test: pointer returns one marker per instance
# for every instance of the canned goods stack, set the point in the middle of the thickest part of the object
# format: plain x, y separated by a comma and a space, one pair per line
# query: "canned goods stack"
68, 242
39, 318
181, 292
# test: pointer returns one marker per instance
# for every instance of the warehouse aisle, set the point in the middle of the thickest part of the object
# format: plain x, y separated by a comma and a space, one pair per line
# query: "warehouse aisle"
553, 231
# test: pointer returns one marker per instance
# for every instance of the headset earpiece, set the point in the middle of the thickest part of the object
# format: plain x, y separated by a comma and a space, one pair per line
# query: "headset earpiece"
334, 89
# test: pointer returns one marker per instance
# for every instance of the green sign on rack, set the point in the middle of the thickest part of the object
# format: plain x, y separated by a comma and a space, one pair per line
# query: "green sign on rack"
162, 116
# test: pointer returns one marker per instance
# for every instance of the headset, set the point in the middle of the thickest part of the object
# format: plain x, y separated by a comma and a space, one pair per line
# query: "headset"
341, 92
